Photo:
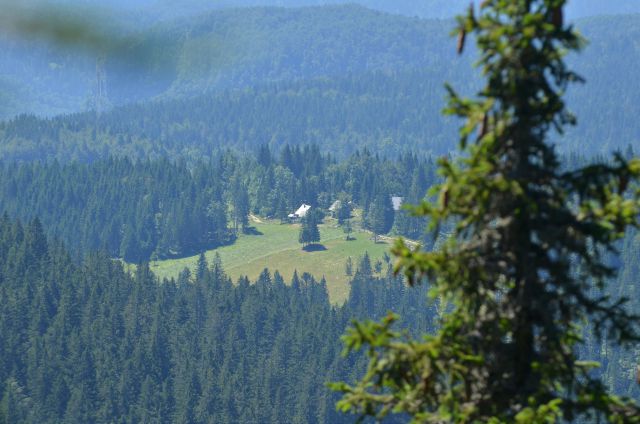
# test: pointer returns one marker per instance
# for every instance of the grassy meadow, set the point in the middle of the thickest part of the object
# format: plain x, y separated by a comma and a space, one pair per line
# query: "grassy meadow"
275, 246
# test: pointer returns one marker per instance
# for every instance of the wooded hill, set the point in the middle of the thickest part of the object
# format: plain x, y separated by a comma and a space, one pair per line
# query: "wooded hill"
340, 76
221, 49
87, 342
378, 95
159, 209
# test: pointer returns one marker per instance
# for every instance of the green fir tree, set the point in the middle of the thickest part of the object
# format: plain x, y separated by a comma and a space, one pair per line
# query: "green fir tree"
309, 232
525, 266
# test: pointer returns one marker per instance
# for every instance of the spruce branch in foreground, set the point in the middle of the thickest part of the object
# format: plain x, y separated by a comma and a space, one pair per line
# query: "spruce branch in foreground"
526, 257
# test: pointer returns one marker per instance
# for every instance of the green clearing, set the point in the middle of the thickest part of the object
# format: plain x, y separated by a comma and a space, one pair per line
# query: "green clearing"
276, 247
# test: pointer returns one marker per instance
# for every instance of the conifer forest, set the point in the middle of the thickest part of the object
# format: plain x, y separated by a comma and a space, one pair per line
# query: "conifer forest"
314, 211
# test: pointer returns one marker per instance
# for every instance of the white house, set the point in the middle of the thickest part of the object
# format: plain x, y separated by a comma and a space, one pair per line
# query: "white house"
301, 212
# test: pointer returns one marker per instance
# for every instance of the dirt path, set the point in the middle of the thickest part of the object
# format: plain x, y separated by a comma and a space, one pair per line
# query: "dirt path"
392, 240
255, 219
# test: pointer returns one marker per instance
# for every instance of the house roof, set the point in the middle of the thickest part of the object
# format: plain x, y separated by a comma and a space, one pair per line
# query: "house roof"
334, 207
302, 210
397, 202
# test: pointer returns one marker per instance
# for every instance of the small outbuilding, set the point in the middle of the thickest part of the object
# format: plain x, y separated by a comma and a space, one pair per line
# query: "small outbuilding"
335, 206
397, 202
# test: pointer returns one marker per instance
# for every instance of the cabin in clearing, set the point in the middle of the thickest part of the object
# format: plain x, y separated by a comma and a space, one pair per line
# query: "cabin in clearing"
301, 212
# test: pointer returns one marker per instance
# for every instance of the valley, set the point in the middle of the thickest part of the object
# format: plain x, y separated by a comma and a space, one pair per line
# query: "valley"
319, 211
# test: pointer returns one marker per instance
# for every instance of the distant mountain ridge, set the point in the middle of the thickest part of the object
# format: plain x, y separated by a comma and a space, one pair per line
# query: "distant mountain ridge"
438, 9
386, 111
218, 50
229, 48
343, 77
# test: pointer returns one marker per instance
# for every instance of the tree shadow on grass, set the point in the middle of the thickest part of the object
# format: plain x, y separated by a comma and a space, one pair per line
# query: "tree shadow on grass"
252, 231
314, 248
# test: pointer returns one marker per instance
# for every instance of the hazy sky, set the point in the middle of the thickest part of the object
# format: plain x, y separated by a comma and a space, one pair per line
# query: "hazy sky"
426, 8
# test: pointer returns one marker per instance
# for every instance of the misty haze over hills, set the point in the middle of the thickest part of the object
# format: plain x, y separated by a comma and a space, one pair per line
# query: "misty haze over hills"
232, 49
420, 8
191, 46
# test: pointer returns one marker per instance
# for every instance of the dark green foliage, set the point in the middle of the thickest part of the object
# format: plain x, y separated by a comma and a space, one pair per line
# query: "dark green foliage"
90, 343
131, 210
239, 203
530, 259
159, 209
343, 211
380, 215
347, 228
309, 233
364, 267
387, 102
201, 267
378, 266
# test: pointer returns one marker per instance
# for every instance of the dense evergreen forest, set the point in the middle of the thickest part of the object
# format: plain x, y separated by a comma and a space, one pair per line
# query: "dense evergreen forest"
90, 343
355, 61
214, 114
390, 114
229, 48
159, 209
87, 342
391, 104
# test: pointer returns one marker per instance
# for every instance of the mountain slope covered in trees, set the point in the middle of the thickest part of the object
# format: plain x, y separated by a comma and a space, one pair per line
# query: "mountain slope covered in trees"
238, 112
90, 343
232, 48
159, 209
391, 110
220, 49
87, 342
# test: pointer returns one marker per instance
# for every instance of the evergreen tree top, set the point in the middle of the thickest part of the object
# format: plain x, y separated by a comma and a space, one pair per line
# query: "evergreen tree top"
523, 267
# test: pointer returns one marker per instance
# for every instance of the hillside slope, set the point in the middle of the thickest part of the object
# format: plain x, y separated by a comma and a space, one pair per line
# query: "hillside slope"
340, 77
276, 247
228, 48
388, 111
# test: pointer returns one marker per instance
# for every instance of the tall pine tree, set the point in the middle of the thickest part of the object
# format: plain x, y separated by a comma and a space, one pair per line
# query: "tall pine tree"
309, 232
525, 264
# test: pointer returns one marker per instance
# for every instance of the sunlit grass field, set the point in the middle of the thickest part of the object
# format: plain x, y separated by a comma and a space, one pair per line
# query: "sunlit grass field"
275, 246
